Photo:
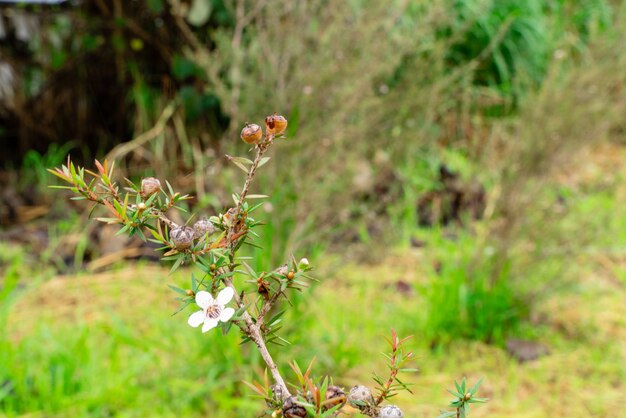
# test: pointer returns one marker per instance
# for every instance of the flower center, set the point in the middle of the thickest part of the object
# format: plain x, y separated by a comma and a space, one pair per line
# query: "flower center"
213, 311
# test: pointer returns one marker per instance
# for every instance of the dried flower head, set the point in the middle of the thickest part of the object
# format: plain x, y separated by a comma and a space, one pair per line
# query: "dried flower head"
390, 411
202, 228
251, 134
360, 396
292, 410
150, 186
182, 237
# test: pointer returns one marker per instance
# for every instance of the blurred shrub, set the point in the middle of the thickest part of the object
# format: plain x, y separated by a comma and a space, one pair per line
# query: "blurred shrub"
380, 96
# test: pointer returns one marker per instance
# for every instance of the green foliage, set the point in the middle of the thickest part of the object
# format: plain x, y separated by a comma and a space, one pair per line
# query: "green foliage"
464, 299
463, 398
509, 38
114, 368
35, 165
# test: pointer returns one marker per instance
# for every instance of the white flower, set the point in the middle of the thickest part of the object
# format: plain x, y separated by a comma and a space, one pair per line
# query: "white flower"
212, 310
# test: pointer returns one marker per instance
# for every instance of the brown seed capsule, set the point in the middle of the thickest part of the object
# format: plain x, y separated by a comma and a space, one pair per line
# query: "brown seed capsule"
213, 267
468, 396
263, 287
292, 410
290, 275
182, 237
251, 134
334, 396
280, 124
360, 396
189, 292
150, 186
202, 228
276, 124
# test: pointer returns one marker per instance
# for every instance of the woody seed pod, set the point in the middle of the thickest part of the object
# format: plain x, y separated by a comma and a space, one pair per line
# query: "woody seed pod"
251, 134
182, 237
203, 227
280, 124
390, 411
150, 186
336, 396
292, 410
275, 124
360, 396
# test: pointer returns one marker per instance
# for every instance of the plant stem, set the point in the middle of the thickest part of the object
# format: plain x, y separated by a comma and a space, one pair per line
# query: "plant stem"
251, 329
392, 375
261, 148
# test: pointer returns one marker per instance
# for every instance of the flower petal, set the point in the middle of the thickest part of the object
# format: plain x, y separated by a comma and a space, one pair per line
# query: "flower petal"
227, 314
209, 324
196, 318
204, 299
225, 296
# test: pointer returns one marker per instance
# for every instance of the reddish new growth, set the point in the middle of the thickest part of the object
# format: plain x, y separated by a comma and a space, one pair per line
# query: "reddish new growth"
397, 359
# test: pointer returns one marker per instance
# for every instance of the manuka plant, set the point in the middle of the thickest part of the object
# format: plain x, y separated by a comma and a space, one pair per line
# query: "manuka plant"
213, 245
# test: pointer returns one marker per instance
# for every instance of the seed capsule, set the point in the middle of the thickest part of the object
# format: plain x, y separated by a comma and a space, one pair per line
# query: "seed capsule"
276, 124
336, 396
390, 411
150, 186
360, 396
182, 237
292, 410
251, 134
280, 124
290, 275
189, 292
203, 227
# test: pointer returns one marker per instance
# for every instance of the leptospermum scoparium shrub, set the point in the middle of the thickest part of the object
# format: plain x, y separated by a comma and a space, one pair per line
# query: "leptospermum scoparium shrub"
213, 245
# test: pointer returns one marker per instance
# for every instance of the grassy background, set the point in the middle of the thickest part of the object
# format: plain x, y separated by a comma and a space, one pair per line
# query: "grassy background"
524, 100
106, 345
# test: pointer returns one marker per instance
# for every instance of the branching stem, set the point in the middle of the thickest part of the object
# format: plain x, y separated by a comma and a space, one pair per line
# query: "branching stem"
251, 328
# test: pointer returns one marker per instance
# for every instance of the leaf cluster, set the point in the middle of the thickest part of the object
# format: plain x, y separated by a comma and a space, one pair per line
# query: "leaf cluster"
462, 400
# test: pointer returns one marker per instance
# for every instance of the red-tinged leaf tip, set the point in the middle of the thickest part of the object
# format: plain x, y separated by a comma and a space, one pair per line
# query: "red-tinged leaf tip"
99, 166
